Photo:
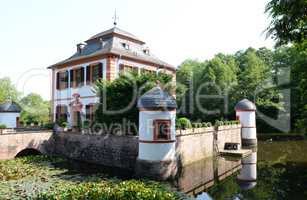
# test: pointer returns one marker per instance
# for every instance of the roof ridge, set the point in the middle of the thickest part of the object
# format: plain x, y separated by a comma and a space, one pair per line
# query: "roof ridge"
117, 31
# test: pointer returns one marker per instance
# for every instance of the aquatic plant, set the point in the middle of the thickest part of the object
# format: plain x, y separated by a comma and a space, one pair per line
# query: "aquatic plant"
131, 189
45, 177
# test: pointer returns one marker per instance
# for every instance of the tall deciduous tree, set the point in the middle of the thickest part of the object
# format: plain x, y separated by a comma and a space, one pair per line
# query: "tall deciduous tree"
289, 26
289, 20
207, 82
7, 90
117, 109
248, 74
34, 109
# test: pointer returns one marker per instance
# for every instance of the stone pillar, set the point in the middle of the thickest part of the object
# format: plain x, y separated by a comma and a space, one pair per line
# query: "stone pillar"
246, 114
157, 135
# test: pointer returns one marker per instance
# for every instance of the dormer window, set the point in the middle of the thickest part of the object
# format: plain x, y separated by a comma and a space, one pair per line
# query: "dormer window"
126, 46
146, 51
80, 47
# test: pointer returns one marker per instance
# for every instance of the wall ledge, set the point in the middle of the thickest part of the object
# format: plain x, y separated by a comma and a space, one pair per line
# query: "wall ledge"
229, 127
194, 131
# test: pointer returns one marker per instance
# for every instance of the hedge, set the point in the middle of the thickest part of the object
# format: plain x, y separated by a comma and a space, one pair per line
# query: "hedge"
185, 123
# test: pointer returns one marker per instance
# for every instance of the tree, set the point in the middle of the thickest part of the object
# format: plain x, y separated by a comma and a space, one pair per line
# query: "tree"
7, 90
289, 21
289, 26
117, 109
34, 109
250, 73
211, 77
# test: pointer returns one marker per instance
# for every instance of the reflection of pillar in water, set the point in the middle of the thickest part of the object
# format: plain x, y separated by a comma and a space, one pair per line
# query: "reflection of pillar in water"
247, 179
246, 114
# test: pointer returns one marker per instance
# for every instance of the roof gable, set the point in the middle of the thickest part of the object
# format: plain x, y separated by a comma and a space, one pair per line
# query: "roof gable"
103, 43
10, 107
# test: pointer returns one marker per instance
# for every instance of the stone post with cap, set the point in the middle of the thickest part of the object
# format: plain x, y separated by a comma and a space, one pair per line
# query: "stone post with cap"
246, 114
157, 135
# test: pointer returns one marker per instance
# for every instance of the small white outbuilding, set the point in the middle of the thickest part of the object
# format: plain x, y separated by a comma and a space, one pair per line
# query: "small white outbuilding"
9, 114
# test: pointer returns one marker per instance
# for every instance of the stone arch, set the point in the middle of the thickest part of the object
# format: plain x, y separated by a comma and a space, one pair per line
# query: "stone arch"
27, 152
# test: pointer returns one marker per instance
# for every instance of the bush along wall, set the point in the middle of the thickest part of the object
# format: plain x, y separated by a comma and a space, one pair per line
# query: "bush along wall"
185, 123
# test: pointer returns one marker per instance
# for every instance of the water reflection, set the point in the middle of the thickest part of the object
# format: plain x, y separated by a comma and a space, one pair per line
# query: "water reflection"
247, 179
281, 173
198, 177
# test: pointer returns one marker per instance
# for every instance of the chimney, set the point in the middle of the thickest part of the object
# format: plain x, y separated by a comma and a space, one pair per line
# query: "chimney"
80, 46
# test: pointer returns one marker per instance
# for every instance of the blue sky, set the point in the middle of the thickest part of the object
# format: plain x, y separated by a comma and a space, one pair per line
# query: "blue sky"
35, 34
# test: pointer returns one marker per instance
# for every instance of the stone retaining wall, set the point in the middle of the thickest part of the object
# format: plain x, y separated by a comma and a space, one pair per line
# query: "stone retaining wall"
121, 151
230, 133
107, 150
194, 144
198, 143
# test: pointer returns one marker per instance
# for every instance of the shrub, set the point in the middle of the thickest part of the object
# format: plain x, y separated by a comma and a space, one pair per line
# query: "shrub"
221, 123
235, 122
218, 123
64, 125
62, 122
183, 123
206, 124
86, 124
2, 126
197, 125
48, 125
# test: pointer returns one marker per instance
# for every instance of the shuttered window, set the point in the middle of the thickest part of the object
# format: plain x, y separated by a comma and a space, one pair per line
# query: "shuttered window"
93, 73
61, 113
128, 69
72, 80
147, 71
77, 77
89, 112
62, 80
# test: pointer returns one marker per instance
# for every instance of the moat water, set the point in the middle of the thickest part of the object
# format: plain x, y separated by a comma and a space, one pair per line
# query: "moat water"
278, 172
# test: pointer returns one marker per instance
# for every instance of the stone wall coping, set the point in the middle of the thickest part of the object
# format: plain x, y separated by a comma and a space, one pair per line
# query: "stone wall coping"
194, 131
228, 127
11, 132
96, 135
